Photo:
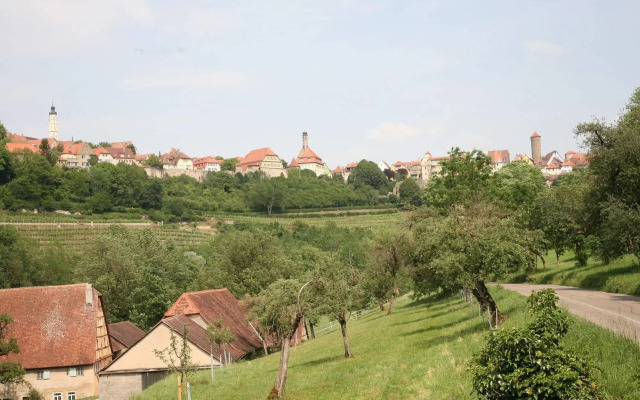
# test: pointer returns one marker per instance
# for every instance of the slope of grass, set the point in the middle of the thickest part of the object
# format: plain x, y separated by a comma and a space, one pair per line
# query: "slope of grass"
619, 276
353, 220
423, 351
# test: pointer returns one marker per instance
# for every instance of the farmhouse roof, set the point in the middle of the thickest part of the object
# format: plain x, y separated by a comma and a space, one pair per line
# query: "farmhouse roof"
216, 304
124, 335
55, 326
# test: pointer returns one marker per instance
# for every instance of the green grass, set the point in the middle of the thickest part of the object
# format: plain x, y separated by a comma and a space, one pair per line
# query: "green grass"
423, 351
619, 276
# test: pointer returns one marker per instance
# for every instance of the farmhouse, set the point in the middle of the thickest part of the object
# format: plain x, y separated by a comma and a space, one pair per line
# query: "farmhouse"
139, 367
123, 335
261, 160
63, 339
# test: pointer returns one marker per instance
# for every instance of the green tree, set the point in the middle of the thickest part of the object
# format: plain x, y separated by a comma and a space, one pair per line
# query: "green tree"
150, 194
153, 161
337, 287
6, 164
133, 148
10, 371
280, 309
93, 160
177, 356
530, 363
267, 194
470, 245
410, 192
464, 177
614, 173
221, 336
517, 185
392, 253
3, 132
229, 164
367, 173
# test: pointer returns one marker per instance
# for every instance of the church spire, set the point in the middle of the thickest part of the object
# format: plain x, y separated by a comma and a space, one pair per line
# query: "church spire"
53, 122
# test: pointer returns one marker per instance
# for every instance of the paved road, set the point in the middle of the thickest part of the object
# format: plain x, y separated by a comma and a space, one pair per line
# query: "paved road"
617, 312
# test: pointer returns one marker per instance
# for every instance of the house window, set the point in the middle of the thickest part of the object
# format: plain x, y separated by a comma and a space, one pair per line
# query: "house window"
57, 396
80, 371
71, 371
71, 395
43, 374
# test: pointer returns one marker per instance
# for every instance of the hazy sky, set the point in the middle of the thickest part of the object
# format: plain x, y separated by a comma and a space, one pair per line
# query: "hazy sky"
372, 79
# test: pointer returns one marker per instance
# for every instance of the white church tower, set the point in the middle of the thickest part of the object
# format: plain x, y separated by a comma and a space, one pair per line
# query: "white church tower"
53, 123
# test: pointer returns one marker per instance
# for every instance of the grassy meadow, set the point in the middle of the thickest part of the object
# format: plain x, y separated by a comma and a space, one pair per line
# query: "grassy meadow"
422, 351
619, 276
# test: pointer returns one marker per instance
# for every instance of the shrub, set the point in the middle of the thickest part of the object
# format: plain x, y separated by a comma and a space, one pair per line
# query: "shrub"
530, 363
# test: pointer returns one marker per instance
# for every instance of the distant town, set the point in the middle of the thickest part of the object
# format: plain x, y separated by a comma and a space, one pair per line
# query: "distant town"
79, 154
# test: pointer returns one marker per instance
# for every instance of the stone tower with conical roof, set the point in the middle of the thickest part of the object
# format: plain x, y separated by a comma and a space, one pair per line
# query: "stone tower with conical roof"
53, 123
536, 147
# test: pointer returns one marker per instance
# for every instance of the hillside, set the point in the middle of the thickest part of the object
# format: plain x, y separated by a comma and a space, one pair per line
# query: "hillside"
421, 352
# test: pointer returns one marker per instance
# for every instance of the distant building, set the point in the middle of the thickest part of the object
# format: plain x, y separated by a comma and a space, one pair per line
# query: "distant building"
261, 160
499, 158
208, 163
75, 155
309, 160
431, 165
22, 148
53, 123
175, 159
63, 339
536, 147
383, 166
523, 158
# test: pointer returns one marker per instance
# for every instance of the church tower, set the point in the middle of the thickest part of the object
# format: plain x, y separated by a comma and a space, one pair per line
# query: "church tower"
305, 141
53, 123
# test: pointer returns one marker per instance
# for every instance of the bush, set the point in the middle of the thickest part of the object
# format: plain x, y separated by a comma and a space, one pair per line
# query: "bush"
530, 363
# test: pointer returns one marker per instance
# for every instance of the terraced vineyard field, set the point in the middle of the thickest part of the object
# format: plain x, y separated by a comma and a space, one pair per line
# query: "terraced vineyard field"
79, 237
373, 221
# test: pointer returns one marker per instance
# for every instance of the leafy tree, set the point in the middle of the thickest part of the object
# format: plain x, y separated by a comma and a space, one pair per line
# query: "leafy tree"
464, 177
530, 362
410, 192
221, 336
229, 164
99, 203
470, 245
177, 356
133, 148
10, 371
614, 171
337, 287
153, 161
104, 144
46, 151
16, 261
367, 173
517, 185
93, 160
3, 132
280, 309
35, 180
267, 194
392, 252
6, 164
150, 195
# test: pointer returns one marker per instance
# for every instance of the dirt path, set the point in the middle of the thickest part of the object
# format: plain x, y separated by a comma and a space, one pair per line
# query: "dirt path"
619, 313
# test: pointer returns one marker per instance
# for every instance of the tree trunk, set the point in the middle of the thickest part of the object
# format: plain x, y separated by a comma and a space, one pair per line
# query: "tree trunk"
393, 296
381, 304
281, 378
486, 301
313, 333
544, 262
345, 337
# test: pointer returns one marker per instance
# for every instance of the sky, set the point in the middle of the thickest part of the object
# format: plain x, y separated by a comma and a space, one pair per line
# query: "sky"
373, 79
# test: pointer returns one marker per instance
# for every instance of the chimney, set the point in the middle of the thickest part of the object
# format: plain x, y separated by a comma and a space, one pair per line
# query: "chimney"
305, 141
88, 294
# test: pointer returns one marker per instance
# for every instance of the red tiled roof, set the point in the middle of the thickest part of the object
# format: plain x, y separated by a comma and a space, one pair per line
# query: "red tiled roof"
173, 156
219, 304
294, 163
568, 163
338, 170
100, 150
124, 335
255, 157
499, 156
122, 144
535, 134
307, 156
351, 165
54, 325
201, 162
20, 147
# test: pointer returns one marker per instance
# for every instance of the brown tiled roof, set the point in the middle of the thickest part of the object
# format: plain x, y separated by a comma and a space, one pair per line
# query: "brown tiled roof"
20, 147
219, 304
255, 157
121, 153
499, 156
173, 156
54, 325
198, 336
122, 144
124, 334
307, 156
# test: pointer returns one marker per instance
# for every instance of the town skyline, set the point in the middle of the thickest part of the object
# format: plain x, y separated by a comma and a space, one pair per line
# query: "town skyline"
373, 80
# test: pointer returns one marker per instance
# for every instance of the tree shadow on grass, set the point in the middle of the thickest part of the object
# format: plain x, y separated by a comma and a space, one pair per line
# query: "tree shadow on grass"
438, 327
599, 280
318, 361
441, 339
449, 310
